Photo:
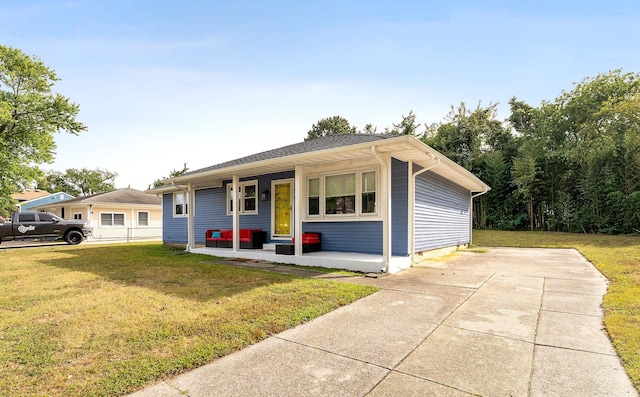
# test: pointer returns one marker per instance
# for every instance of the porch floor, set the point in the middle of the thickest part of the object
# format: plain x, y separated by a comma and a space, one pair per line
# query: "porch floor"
367, 263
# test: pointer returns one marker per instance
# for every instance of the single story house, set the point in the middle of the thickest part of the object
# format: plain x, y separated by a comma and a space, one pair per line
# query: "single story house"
377, 201
121, 214
29, 199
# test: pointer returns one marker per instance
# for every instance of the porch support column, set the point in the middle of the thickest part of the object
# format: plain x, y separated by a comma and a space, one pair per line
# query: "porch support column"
190, 217
297, 210
385, 208
386, 223
235, 213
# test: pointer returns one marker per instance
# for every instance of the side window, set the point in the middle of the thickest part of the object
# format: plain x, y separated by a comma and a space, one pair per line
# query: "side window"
368, 192
247, 198
180, 204
313, 188
111, 219
27, 218
143, 218
106, 219
44, 217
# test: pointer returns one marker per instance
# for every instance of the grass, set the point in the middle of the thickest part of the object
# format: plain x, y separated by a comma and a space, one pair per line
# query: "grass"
107, 320
618, 258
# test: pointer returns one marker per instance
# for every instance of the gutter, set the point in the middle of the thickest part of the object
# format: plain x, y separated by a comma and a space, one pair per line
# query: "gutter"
412, 203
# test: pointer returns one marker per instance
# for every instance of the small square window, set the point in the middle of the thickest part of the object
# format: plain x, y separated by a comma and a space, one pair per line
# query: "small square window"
143, 218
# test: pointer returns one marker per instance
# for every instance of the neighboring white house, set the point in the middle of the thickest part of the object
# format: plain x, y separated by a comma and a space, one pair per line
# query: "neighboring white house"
382, 200
122, 214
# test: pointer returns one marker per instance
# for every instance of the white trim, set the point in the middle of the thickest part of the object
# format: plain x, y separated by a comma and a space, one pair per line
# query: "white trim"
236, 216
297, 209
385, 208
185, 204
357, 215
73, 215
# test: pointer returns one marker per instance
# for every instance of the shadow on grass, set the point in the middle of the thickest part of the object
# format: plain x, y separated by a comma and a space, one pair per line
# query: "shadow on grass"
166, 270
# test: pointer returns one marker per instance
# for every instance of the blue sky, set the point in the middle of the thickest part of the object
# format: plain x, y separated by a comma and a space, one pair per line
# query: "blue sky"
160, 83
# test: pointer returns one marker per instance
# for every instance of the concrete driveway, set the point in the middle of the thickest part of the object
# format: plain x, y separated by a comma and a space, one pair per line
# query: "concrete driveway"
510, 322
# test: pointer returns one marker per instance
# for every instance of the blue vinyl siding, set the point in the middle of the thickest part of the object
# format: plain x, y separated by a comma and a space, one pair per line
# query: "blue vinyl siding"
363, 237
46, 200
399, 208
174, 230
441, 213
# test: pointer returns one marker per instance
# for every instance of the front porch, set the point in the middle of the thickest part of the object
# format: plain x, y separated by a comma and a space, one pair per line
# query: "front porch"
366, 263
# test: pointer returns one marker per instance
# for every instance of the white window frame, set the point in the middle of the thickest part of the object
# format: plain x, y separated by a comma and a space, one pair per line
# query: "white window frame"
113, 219
184, 204
359, 190
240, 199
77, 215
138, 218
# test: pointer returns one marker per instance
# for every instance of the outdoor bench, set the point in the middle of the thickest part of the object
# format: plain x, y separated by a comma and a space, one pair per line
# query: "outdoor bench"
249, 238
310, 242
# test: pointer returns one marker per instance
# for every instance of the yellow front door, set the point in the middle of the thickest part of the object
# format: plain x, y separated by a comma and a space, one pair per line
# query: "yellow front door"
282, 209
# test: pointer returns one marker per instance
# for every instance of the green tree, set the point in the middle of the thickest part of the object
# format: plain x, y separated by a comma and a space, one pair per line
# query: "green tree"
334, 125
30, 114
407, 126
585, 147
172, 174
369, 129
79, 182
484, 145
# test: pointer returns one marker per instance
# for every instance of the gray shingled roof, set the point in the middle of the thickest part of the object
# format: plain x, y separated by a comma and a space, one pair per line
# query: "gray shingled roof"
119, 196
322, 143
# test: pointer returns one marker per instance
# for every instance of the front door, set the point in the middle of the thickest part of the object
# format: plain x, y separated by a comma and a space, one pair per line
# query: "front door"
282, 208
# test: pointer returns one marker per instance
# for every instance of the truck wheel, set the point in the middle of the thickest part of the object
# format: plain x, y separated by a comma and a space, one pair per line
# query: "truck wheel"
73, 237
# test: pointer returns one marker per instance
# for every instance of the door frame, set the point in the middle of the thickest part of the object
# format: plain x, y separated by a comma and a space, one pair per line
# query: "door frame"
275, 182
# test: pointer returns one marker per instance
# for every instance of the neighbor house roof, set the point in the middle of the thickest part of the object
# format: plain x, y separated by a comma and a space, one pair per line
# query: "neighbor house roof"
118, 196
31, 194
324, 150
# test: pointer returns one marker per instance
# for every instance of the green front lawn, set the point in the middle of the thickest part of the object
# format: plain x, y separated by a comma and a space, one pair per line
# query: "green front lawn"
107, 320
618, 258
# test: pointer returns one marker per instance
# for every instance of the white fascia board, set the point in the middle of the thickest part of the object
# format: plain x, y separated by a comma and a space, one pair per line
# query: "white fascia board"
474, 184
467, 179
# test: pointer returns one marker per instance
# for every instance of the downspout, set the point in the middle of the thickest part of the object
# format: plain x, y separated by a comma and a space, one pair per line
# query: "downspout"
190, 218
412, 202
471, 214
386, 211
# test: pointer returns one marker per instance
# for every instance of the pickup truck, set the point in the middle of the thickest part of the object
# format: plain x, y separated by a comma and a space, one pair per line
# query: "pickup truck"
43, 226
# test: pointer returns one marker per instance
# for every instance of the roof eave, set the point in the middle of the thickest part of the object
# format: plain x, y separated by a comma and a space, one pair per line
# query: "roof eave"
464, 177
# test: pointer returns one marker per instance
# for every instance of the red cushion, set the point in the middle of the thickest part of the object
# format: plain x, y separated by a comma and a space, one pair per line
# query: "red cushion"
309, 238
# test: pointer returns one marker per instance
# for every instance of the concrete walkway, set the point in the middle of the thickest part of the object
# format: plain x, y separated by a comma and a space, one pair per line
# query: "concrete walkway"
510, 322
